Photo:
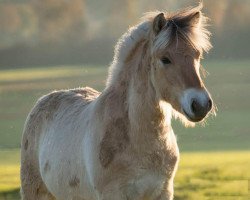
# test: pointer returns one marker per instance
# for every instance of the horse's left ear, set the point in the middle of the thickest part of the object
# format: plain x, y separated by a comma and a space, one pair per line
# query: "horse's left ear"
194, 19
159, 22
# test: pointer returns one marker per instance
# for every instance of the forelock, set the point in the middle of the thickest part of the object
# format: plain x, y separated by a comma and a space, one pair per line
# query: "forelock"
178, 27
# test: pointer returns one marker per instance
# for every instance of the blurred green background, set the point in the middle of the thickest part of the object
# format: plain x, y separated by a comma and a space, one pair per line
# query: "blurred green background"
59, 44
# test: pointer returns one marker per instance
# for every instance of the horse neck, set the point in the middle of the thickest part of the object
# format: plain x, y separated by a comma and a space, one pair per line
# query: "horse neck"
150, 118
147, 119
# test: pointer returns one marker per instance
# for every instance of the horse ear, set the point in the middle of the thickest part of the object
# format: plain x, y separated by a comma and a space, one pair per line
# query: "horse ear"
159, 22
195, 18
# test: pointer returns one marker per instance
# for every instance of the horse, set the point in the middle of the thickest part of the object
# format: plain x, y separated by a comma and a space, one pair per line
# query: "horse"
80, 144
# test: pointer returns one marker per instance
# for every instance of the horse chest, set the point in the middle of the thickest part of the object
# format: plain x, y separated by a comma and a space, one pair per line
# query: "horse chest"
158, 171
148, 186
163, 157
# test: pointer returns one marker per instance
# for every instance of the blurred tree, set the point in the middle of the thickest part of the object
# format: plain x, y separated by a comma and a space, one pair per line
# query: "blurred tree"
238, 15
91, 26
60, 21
17, 22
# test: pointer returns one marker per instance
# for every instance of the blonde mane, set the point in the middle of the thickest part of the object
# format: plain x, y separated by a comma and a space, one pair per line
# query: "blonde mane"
124, 46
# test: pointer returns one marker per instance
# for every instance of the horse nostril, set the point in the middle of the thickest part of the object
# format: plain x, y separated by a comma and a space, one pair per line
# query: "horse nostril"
195, 106
209, 104
200, 110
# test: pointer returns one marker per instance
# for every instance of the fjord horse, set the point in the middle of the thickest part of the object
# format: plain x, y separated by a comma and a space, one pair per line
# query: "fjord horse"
81, 144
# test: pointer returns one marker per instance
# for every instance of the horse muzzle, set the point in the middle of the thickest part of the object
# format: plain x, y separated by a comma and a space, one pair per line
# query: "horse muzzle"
196, 104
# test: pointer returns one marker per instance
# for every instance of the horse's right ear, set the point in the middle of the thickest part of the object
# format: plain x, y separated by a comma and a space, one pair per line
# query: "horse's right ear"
159, 22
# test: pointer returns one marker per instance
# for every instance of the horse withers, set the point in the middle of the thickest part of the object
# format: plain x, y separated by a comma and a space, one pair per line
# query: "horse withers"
119, 144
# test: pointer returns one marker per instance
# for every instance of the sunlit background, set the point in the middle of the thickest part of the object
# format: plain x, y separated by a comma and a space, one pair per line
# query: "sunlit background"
57, 44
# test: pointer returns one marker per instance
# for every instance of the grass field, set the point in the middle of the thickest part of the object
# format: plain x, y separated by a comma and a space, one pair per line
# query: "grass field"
219, 171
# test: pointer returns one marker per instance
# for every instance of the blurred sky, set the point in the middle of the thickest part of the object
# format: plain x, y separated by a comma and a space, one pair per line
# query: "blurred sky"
48, 32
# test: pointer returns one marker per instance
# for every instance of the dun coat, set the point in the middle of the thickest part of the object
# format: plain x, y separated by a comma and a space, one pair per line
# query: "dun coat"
81, 144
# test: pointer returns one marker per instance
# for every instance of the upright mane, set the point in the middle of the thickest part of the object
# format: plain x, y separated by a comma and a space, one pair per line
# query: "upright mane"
125, 45
178, 26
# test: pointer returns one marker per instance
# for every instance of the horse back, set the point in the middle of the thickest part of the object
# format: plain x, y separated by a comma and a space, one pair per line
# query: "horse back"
49, 105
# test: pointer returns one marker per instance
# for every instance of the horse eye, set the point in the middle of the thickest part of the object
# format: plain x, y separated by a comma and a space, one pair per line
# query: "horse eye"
165, 61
